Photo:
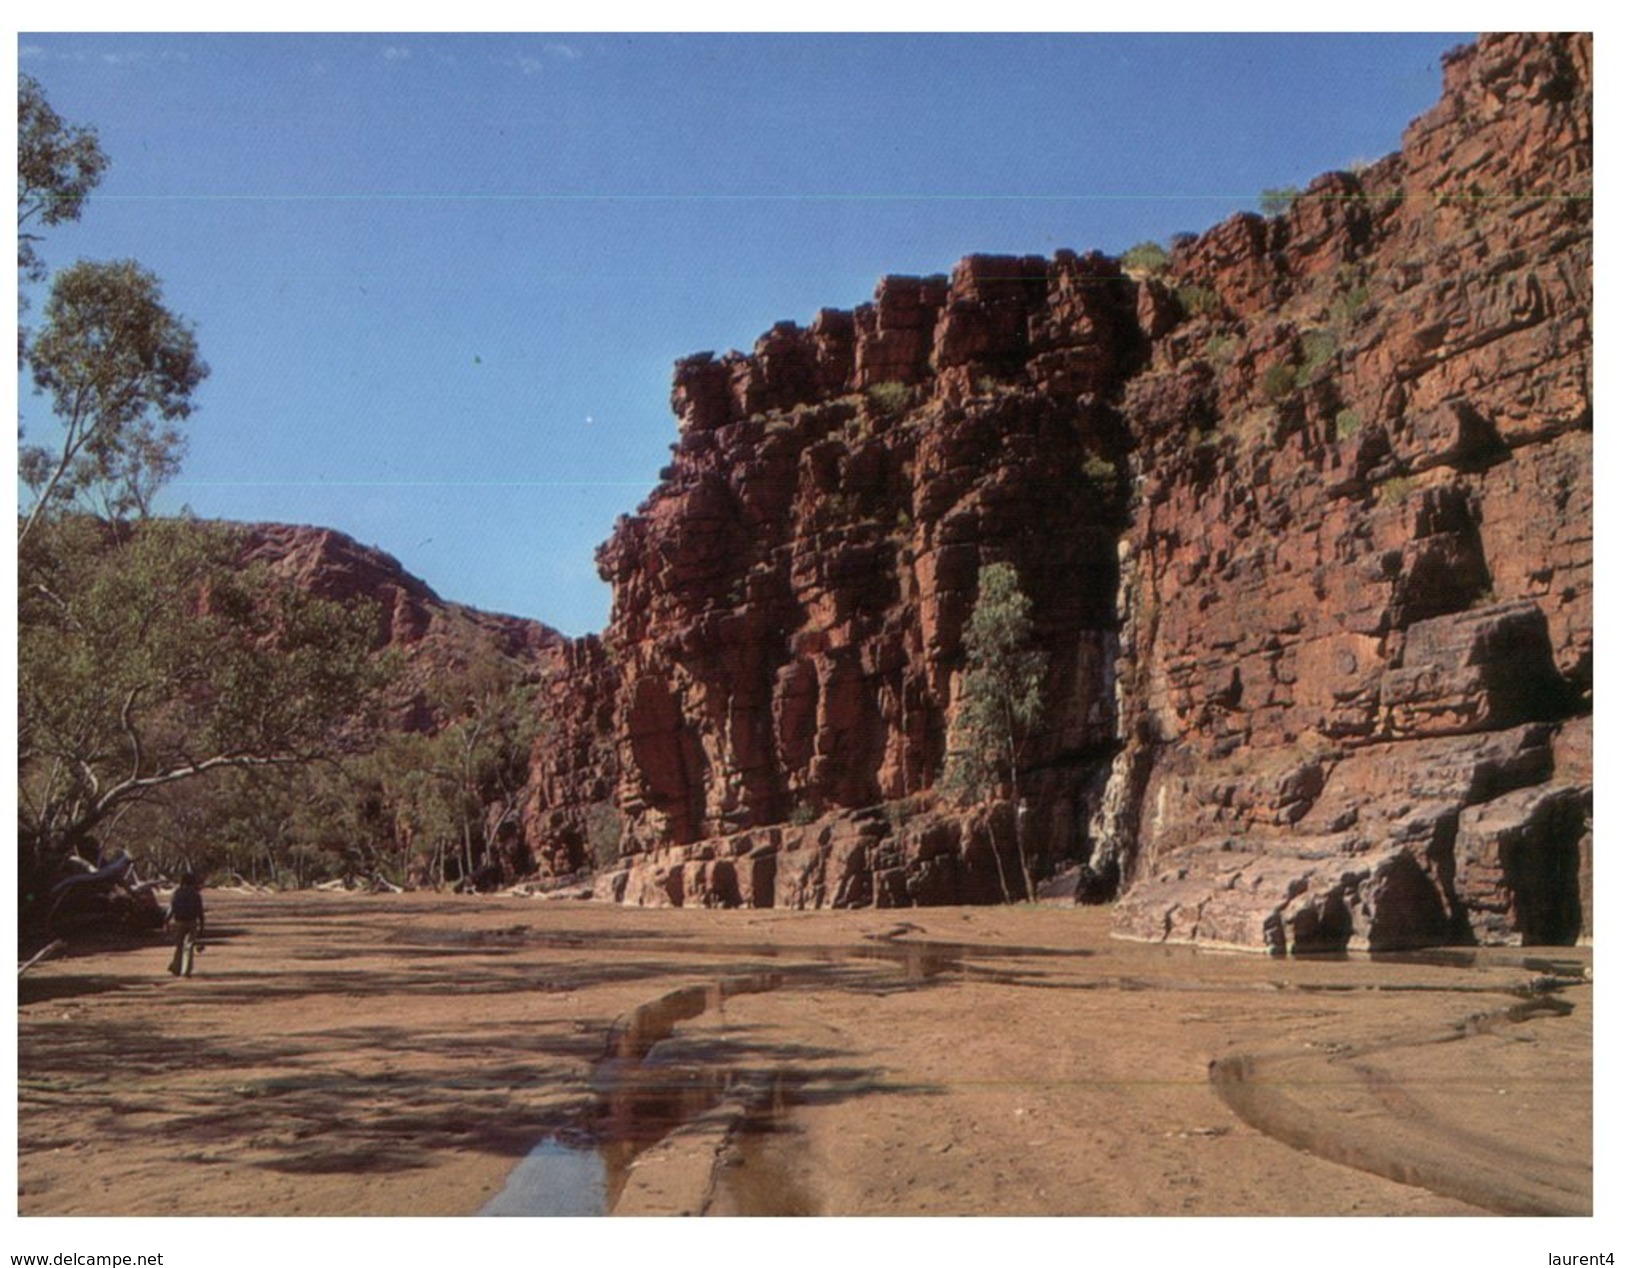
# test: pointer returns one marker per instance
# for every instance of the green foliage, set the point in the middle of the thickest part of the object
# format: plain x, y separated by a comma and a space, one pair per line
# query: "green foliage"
1220, 349
1317, 348
890, 398
1351, 299
1001, 700
426, 806
58, 164
1279, 380
454, 789
1101, 473
117, 366
119, 370
1197, 301
1345, 310
1396, 490
148, 658
1145, 257
604, 834
236, 822
1278, 200
1349, 423
802, 814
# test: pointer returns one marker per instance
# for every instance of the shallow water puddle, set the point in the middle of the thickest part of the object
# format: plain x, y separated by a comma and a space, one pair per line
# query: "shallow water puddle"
643, 1098
555, 1178
647, 1090
657, 1086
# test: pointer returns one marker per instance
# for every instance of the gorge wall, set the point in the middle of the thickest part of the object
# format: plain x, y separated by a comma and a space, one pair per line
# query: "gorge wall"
1305, 516
434, 637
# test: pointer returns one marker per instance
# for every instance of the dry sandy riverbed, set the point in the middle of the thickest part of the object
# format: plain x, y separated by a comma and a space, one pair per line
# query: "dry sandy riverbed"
360, 1055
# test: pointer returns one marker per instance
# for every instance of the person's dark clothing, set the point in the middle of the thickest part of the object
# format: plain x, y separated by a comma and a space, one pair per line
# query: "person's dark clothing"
187, 904
186, 914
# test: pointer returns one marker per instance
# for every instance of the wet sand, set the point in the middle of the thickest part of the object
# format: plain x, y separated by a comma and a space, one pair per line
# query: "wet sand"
393, 1055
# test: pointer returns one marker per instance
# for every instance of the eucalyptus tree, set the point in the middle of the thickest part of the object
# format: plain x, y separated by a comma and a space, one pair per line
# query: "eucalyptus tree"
1000, 704
152, 657
119, 370
58, 164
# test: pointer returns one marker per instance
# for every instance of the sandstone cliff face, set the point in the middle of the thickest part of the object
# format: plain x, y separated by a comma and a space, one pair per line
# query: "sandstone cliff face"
1358, 599
1306, 522
789, 602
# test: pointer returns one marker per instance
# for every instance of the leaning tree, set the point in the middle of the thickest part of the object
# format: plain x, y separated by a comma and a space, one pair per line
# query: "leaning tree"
149, 657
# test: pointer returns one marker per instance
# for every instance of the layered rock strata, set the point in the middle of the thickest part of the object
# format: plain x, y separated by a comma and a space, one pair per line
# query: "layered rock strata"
1305, 518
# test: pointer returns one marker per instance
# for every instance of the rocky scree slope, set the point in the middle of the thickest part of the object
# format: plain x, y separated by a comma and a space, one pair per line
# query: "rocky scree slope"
1305, 516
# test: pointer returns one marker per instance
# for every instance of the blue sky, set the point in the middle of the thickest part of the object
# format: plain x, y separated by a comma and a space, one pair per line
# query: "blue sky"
441, 279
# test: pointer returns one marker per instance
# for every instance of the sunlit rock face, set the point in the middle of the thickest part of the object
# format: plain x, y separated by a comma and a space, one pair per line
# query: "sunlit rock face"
1305, 518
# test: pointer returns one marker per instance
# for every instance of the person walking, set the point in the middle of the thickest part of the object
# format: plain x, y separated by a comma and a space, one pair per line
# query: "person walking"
186, 915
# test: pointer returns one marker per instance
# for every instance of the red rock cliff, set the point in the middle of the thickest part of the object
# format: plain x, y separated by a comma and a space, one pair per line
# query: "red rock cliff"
433, 635
1306, 521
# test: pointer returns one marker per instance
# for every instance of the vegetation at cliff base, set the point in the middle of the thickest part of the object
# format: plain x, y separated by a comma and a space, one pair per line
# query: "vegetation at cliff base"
890, 398
1001, 702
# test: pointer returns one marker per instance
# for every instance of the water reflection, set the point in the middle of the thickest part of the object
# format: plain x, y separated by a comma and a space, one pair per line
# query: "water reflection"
555, 1178
652, 1081
647, 1088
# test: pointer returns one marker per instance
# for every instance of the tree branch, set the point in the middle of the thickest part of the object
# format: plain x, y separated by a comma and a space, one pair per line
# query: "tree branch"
130, 732
77, 435
136, 788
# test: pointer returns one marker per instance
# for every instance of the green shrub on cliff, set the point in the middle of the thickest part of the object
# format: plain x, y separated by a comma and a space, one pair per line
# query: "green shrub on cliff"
1221, 349
890, 398
1197, 301
1276, 201
1100, 472
1352, 298
1317, 348
1280, 379
1145, 257
1396, 489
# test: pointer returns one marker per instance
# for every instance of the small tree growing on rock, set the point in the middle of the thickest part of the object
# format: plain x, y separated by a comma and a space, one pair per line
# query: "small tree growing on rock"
1001, 703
